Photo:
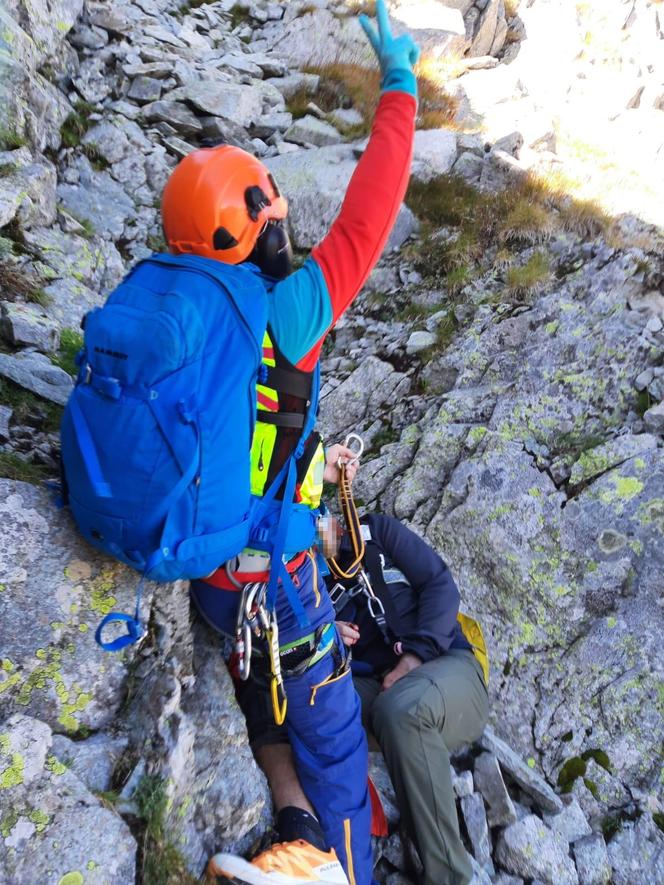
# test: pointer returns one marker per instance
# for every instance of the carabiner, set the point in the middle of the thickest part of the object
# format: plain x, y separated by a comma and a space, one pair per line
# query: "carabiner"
348, 443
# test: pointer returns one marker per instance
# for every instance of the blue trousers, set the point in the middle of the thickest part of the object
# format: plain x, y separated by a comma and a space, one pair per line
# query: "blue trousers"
324, 721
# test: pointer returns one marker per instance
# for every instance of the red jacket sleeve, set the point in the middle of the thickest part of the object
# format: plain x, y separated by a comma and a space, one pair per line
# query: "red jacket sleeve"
357, 238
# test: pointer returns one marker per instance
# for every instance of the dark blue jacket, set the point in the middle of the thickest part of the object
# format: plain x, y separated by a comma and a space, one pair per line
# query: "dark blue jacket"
425, 597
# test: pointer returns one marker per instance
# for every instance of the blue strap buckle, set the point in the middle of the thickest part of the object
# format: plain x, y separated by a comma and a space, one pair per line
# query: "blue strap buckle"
135, 631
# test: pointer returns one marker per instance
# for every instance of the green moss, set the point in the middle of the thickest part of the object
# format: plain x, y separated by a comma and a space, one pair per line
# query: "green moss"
162, 863
14, 467
624, 489
8, 822
522, 280
54, 765
71, 342
76, 124
571, 770
40, 819
10, 140
25, 404
12, 775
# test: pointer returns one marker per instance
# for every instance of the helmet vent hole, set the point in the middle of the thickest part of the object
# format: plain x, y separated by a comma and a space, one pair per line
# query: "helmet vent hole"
223, 239
256, 200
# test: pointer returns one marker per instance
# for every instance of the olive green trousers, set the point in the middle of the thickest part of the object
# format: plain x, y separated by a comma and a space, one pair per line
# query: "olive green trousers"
418, 723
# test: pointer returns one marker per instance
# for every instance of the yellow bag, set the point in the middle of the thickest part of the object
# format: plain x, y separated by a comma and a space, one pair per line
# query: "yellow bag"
473, 633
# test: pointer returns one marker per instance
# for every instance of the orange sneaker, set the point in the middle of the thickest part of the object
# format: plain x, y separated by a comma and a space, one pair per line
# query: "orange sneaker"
286, 863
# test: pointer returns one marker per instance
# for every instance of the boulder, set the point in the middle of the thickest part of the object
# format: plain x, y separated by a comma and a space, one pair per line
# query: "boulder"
98, 199
35, 372
530, 849
489, 781
474, 816
240, 104
315, 182
51, 666
27, 324
636, 853
434, 153
309, 130
592, 860
52, 826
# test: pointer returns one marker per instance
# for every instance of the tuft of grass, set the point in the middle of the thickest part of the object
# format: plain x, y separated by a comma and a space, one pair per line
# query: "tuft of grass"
161, 862
39, 296
28, 407
511, 8
17, 282
76, 124
239, 15
71, 341
10, 140
156, 242
362, 7
436, 107
98, 160
526, 222
522, 280
14, 467
342, 84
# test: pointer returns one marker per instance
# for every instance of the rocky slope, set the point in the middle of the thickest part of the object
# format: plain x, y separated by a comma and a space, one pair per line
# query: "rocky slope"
505, 365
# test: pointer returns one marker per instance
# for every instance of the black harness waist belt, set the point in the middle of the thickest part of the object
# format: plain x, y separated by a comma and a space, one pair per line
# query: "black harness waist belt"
281, 419
290, 382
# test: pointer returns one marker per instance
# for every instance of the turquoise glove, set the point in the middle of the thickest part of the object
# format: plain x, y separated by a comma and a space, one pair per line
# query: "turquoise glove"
396, 55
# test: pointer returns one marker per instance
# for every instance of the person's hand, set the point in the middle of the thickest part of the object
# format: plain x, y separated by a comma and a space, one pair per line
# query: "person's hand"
394, 53
407, 662
348, 456
349, 633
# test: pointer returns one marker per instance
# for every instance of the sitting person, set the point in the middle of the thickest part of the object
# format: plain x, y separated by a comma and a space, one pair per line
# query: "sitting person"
423, 691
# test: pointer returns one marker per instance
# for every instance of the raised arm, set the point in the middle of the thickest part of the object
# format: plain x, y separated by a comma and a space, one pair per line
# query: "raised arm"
308, 303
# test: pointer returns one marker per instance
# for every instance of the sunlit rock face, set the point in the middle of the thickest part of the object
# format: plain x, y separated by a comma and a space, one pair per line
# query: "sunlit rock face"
504, 365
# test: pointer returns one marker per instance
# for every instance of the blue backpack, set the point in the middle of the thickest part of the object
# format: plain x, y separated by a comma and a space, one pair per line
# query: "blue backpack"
156, 435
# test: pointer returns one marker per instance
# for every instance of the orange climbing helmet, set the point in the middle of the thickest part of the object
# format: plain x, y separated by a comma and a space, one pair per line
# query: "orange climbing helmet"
217, 202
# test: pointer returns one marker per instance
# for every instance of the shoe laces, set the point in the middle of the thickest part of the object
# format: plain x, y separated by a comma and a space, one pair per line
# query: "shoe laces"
286, 856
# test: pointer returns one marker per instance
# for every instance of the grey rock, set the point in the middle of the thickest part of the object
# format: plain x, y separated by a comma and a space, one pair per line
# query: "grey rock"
419, 341
462, 783
295, 82
474, 815
11, 197
636, 853
178, 146
523, 774
381, 780
653, 419
225, 130
108, 140
176, 113
35, 372
215, 791
49, 23
309, 130
69, 301
480, 874
145, 89
240, 104
5, 417
27, 324
266, 125
597, 460
98, 199
592, 860
35, 180
434, 153
67, 255
469, 166
511, 143
570, 822
363, 393
319, 35
158, 69
91, 760
345, 118
489, 782
52, 666
241, 63
530, 849
644, 378
51, 823
315, 182
506, 879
